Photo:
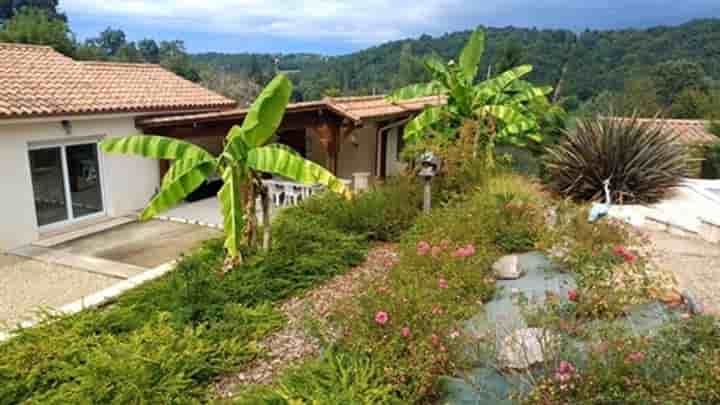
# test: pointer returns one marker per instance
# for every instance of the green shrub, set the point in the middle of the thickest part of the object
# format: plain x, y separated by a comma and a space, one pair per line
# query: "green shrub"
380, 214
67, 361
679, 366
711, 161
642, 160
442, 278
336, 378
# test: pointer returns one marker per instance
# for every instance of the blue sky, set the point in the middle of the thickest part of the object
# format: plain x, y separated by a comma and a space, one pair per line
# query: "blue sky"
337, 27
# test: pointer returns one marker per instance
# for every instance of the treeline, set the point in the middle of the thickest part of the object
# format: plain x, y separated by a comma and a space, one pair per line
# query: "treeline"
674, 70
40, 22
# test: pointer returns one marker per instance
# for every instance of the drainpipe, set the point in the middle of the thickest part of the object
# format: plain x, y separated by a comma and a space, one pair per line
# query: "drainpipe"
378, 147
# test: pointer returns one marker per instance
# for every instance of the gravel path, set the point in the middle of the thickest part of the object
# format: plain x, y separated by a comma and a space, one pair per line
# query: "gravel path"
695, 264
27, 284
293, 342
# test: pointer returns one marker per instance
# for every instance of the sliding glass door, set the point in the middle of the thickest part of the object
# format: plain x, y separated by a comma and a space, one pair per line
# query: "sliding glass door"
66, 182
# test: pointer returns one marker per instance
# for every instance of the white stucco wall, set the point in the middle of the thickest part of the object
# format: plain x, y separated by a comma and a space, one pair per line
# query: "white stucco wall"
128, 182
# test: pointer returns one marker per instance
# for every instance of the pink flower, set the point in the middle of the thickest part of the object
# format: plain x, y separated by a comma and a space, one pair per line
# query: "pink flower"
382, 317
435, 339
382, 290
636, 357
442, 283
423, 248
436, 310
405, 332
454, 335
465, 251
436, 250
625, 254
572, 295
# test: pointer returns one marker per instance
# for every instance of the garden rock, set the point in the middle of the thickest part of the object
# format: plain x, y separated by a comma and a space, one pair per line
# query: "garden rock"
523, 348
507, 268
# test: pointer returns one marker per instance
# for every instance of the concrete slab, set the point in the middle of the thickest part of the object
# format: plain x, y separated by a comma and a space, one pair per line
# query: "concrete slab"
95, 265
28, 284
143, 244
80, 230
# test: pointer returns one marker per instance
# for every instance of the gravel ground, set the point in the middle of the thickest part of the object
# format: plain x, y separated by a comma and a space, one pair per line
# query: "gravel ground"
27, 284
293, 343
695, 264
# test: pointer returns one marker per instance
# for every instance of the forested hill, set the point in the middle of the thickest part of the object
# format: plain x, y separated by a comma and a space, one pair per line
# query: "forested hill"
595, 60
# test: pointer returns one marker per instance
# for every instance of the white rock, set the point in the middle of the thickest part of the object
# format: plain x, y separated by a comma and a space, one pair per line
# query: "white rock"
523, 348
507, 268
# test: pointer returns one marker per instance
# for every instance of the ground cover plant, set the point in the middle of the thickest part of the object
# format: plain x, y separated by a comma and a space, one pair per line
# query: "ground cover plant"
166, 341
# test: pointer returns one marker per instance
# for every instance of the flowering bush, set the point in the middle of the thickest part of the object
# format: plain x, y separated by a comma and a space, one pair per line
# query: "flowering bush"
678, 366
411, 321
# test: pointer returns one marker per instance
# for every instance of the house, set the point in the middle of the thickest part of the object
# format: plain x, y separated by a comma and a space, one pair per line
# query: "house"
347, 135
53, 112
687, 132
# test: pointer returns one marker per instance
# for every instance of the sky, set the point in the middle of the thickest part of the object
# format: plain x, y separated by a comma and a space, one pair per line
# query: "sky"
337, 27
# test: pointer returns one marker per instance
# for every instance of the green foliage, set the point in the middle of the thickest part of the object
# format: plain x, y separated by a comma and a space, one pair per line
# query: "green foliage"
245, 156
711, 161
642, 160
499, 103
674, 76
336, 378
677, 366
443, 276
166, 341
36, 26
383, 213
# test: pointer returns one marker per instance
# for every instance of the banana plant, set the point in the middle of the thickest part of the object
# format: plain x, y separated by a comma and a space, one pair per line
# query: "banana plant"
500, 103
246, 155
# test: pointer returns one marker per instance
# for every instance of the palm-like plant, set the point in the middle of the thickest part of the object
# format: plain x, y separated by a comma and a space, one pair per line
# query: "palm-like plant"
642, 161
500, 103
246, 155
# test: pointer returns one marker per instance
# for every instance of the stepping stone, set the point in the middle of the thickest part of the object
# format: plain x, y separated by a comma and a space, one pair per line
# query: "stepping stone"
507, 268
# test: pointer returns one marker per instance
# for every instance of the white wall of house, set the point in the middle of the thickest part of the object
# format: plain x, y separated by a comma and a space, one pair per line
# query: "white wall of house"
128, 182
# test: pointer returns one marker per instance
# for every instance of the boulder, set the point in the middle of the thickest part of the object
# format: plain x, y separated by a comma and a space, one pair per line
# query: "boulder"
507, 268
524, 347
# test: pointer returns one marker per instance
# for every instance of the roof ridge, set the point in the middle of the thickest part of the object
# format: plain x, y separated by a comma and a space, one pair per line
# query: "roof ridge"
354, 98
109, 63
670, 120
19, 45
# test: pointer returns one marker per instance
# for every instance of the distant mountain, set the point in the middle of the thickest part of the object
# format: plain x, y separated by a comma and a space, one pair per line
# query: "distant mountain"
593, 61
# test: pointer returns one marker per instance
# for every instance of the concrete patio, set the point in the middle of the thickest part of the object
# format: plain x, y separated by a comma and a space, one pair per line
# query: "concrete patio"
89, 269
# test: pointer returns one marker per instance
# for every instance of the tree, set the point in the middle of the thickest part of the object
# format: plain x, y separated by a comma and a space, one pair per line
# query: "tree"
247, 154
511, 55
35, 26
674, 76
174, 58
149, 50
110, 41
500, 104
10, 8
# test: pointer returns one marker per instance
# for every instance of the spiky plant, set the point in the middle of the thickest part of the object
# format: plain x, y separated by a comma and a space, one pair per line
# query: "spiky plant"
642, 159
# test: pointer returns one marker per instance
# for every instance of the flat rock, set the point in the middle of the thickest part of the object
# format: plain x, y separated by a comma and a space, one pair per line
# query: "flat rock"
523, 348
507, 268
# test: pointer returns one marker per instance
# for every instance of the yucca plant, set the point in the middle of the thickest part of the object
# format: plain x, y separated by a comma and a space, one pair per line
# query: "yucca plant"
642, 160
247, 154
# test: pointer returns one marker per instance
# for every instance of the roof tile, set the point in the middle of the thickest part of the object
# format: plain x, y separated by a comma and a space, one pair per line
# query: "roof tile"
38, 81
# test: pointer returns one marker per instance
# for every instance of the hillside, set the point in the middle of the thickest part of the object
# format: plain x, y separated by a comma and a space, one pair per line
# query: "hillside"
596, 60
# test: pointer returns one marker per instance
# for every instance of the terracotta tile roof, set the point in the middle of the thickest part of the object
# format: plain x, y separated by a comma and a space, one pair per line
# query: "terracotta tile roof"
359, 108
38, 81
687, 131
356, 109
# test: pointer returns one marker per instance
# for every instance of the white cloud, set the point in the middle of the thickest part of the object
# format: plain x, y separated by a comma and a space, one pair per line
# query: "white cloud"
364, 22
357, 21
